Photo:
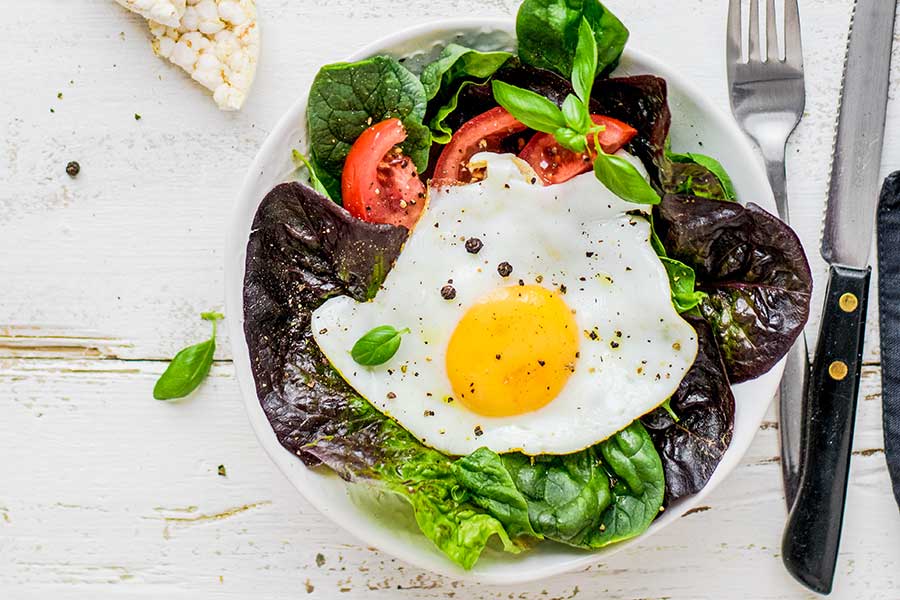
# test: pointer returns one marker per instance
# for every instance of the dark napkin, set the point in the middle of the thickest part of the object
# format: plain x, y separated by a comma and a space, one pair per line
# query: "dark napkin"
889, 320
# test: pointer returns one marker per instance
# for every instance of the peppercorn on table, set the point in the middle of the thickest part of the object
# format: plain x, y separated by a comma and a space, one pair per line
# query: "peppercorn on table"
119, 175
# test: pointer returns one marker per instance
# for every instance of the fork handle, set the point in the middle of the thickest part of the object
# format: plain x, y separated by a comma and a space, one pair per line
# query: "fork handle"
773, 153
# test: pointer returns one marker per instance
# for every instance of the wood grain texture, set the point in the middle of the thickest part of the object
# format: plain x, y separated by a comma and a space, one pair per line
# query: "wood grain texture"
107, 493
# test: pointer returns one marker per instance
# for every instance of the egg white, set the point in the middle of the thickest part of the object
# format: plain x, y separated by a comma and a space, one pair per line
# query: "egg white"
577, 236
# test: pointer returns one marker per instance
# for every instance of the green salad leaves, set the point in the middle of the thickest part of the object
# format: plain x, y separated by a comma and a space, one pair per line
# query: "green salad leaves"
346, 98
305, 248
699, 175
456, 68
589, 499
548, 34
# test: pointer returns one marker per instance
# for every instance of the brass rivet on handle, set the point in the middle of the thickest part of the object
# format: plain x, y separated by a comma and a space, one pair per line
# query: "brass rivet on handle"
848, 302
838, 370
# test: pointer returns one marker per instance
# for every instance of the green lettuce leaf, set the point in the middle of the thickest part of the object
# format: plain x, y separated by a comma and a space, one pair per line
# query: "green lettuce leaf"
346, 98
430, 482
456, 63
698, 175
443, 80
682, 280
548, 34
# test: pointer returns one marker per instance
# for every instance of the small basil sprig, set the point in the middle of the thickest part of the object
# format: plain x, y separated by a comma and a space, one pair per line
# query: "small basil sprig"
377, 346
189, 367
572, 125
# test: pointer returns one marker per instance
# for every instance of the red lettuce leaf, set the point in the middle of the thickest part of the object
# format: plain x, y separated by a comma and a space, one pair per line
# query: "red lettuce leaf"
692, 447
754, 270
304, 249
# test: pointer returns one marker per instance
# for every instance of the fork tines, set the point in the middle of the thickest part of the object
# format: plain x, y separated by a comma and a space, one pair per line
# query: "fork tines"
793, 54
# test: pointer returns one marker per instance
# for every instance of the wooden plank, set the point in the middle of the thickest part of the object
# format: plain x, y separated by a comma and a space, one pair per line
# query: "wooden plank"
104, 488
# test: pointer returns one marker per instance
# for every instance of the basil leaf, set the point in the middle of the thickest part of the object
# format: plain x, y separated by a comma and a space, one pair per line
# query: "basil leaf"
577, 115
547, 31
491, 487
623, 179
377, 346
570, 139
530, 108
457, 62
314, 182
682, 280
584, 67
346, 98
695, 181
190, 366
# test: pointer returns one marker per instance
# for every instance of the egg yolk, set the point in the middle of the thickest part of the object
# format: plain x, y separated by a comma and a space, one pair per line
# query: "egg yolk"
513, 351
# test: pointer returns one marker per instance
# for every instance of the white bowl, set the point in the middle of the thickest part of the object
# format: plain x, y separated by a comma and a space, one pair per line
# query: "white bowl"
382, 521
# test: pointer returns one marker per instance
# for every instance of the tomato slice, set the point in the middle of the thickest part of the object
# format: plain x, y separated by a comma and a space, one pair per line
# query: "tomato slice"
555, 164
484, 133
380, 183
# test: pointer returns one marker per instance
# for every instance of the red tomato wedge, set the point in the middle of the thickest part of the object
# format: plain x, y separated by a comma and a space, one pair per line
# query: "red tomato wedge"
380, 183
483, 133
555, 164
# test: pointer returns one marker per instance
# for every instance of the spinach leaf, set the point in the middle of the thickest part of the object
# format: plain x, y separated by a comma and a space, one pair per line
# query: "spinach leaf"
189, 367
699, 175
378, 345
682, 279
456, 63
314, 182
693, 444
346, 98
595, 497
304, 249
638, 489
491, 487
566, 494
548, 33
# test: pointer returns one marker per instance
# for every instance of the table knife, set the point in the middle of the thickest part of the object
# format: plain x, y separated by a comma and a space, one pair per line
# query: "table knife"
813, 531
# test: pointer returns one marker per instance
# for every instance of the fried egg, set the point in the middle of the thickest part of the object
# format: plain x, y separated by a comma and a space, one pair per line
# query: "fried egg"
540, 318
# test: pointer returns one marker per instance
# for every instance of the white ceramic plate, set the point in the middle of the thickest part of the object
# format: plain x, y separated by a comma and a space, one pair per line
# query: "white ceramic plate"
380, 520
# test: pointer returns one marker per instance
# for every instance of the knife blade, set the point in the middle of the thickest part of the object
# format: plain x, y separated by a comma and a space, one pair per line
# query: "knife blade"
812, 534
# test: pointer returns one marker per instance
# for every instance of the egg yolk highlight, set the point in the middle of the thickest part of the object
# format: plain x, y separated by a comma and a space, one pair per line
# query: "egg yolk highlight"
513, 351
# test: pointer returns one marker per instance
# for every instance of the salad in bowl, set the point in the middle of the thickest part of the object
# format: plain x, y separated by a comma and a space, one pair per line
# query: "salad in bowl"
493, 288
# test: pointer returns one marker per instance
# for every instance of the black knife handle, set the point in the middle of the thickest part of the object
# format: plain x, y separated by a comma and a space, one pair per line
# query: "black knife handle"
813, 531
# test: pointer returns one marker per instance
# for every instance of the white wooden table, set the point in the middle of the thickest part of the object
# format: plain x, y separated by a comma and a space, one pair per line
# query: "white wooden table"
105, 492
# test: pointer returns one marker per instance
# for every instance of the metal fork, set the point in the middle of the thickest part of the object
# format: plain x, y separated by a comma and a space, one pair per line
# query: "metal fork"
767, 99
